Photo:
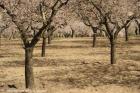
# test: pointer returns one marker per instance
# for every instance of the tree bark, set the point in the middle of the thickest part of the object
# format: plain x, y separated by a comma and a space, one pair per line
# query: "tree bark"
113, 51
43, 47
29, 76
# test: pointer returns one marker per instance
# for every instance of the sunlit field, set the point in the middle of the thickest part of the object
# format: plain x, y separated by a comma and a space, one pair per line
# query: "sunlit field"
72, 65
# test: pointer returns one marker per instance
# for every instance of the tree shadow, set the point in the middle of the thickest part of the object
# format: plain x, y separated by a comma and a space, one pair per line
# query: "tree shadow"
95, 74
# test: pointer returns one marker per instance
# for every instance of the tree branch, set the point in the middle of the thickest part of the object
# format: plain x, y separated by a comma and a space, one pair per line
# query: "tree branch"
47, 24
123, 26
20, 27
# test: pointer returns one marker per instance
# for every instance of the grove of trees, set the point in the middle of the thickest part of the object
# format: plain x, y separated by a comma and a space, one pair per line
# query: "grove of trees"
36, 19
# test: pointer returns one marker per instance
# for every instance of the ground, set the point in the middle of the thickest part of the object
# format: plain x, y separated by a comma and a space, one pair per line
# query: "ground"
72, 65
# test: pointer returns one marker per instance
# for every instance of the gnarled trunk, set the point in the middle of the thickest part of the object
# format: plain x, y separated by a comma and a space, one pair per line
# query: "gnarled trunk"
43, 47
29, 76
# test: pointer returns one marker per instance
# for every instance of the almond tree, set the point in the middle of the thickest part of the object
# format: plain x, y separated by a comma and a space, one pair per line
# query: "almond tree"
87, 14
137, 4
3, 25
23, 14
87, 22
137, 31
110, 20
2, 29
126, 30
72, 32
49, 34
107, 15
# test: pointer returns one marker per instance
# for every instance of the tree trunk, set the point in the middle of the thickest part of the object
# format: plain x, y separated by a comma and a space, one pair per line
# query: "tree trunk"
13, 35
139, 29
113, 51
136, 31
94, 29
34, 33
72, 35
101, 33
94, 39
29, 77
0, 41
49, 39
43, 47
126, 34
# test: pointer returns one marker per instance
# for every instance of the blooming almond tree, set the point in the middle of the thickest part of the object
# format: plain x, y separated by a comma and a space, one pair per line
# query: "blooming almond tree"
107, 16
111, 21
23, 14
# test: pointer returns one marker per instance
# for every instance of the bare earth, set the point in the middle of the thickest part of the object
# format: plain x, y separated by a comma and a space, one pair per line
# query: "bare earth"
73, 66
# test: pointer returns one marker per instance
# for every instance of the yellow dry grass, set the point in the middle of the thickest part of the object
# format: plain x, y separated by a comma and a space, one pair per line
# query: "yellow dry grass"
73, 66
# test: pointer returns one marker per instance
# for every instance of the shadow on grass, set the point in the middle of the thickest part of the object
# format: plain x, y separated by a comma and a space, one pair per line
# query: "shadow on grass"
95, 74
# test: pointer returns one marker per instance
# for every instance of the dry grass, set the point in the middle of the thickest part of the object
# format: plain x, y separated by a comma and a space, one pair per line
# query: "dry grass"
73, 66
